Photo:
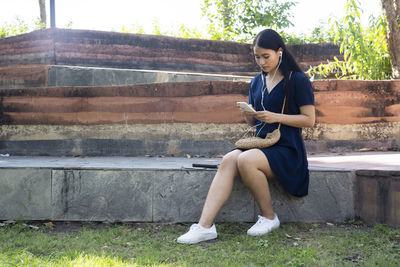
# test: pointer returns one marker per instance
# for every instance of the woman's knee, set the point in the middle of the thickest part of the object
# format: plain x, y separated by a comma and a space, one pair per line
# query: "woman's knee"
245, 162
253, 160
230, 159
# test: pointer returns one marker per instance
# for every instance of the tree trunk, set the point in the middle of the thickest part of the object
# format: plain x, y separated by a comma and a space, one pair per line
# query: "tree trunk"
391, 9
226, 14
42, 6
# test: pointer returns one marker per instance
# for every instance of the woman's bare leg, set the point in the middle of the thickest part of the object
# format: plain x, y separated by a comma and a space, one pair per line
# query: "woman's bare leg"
220, 189
254, 170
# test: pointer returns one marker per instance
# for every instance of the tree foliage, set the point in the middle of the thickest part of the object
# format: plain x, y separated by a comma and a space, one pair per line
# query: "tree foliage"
19, 26
364, 50
318, 35
240, 20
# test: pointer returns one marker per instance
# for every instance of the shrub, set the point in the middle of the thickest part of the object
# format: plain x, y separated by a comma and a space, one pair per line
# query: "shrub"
364, 50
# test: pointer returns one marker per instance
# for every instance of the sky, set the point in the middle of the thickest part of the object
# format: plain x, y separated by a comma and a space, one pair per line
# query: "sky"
170, 14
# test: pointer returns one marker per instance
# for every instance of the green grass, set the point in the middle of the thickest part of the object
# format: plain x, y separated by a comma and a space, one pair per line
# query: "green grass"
300, 244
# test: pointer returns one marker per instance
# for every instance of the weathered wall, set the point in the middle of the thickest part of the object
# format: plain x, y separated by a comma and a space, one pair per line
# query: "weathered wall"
198, 118
139, 51
164, 118
23, 76
354, 101
337, 102
314, 54
150, 103
28, 49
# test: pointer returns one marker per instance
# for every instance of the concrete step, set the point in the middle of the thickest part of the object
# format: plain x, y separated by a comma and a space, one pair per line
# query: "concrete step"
148, 189
178, 118
90, 76
59, 75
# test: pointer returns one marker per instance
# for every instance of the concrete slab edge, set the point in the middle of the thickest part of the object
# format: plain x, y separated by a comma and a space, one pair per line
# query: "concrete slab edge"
169, 195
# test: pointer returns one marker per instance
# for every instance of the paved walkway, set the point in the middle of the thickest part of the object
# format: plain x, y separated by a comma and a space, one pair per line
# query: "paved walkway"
357, 161
350, 161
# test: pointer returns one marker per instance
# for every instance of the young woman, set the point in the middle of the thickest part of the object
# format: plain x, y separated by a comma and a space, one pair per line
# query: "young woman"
280, 79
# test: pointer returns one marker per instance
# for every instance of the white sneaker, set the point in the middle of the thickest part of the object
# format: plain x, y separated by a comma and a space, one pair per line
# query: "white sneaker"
198, 233
263, 226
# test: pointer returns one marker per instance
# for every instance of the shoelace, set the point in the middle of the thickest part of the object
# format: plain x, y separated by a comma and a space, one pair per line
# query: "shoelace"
195, 226
261, 219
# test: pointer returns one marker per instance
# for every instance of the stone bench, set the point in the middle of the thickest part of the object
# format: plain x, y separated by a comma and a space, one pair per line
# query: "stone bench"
171, 190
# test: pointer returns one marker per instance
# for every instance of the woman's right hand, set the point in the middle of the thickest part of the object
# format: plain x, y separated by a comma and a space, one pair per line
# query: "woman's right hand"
249, 116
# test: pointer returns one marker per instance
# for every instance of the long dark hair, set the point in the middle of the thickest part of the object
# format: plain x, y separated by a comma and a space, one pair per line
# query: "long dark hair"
270, 39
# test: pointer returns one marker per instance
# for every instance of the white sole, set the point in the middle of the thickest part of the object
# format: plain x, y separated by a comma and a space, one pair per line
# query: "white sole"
260, 234
190, 243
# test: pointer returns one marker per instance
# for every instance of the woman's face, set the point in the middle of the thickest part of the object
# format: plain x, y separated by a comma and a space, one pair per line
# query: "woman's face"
267, 59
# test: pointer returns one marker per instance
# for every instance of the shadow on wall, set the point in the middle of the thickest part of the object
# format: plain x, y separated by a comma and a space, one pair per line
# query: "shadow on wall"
4, 118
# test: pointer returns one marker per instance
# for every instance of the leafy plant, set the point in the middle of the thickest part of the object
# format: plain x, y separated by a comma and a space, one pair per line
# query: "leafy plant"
365, 51
157, 27
18, 26
240, 20
319, 35
132, 29
185, 32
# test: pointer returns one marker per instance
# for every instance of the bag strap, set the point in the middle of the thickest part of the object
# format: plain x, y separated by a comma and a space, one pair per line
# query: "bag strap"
284, 102
283, 108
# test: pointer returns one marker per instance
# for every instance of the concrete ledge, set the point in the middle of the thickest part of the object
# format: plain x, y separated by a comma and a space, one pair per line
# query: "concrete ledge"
90, 76
57, 75
168, 148
379, 196
178, 139
25, 193
151, 190
330, 198
162, 189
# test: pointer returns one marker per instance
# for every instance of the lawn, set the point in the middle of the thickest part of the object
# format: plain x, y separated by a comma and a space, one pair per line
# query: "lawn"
293, 244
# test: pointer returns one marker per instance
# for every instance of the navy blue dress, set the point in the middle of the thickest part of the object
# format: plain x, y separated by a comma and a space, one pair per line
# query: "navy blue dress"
287, 158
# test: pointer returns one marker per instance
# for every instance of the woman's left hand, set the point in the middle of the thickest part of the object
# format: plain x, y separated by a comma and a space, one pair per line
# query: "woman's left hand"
267, 116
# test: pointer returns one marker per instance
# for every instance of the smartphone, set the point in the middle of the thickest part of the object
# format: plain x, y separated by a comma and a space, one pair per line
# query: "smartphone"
245, 106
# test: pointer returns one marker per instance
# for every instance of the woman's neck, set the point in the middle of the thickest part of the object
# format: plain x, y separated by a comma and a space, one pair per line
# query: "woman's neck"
274, 75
